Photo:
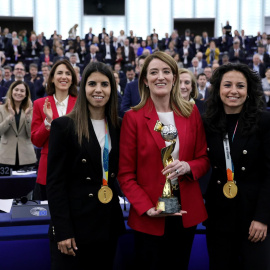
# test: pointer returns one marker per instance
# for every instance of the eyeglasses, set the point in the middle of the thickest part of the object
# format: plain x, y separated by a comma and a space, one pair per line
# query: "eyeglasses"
22, 69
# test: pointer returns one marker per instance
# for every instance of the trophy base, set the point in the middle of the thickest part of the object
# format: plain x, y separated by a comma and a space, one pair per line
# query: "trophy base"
168, 205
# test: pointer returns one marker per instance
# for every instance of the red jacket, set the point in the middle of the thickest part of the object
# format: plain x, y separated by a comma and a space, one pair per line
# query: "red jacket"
140, 167
40, 135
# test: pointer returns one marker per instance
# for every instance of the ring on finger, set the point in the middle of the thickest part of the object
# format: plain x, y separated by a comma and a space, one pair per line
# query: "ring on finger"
69, 248
177, 172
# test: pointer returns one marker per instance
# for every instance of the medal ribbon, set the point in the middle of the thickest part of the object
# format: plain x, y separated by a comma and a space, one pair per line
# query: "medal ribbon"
229, 163
106, 156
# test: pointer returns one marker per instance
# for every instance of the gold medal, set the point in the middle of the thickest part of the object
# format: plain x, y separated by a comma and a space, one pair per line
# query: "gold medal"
105, 194
230, 189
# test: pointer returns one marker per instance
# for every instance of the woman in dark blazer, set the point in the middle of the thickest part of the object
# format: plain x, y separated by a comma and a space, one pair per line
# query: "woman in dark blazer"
86, 217
238, 195
162, 241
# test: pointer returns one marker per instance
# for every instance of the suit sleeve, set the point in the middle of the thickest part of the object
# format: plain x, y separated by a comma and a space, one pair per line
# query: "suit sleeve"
127, 175
39, 134
262, 213
5, 123
126, 100
57, 175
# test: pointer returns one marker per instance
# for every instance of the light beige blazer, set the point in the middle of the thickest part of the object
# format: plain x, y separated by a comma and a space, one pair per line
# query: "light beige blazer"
11, 137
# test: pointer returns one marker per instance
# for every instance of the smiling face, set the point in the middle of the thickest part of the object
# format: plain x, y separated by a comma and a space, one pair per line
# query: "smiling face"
97, 90
159, 78
185, 86
62, 78
19, 93
233, 91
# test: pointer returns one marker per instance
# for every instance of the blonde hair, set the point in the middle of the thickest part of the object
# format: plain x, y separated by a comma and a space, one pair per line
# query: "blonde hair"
194, 91
177, 103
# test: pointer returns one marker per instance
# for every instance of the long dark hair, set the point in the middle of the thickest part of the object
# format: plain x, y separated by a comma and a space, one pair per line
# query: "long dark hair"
50, 89
81, 114
215, 117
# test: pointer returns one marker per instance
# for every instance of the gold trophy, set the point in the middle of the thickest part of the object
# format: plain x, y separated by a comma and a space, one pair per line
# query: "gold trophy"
167, 202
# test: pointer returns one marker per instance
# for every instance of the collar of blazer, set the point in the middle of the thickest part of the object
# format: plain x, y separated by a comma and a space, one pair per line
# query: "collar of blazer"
181, 124
93, 148
236, 148
71, 103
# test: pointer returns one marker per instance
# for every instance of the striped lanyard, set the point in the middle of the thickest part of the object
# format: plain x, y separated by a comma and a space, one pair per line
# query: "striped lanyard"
229, 162
106, 156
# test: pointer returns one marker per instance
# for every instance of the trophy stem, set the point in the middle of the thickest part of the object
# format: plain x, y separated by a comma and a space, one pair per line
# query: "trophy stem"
167, 190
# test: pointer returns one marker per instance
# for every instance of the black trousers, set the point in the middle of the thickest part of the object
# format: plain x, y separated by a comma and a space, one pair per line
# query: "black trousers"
40, 193
92, 255
233, 251
170, 251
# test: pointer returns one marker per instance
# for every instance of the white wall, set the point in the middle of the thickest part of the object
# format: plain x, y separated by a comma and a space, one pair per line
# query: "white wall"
141, 15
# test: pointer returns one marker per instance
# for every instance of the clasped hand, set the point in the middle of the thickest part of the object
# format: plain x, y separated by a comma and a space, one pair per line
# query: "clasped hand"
176, 168
257, 231
67, 246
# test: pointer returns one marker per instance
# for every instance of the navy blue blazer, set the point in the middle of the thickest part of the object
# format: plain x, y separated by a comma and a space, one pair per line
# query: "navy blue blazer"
131, 96
3, 91
42, 58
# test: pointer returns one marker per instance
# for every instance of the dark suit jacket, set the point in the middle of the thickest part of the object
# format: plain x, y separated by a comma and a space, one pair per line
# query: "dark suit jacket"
190, 55
103, 52
73, 181
29, 49
261, 68
31, 88
42, 58
131, 55
3, 91
251, 159
11, 52
88, 58
224, 46
131, 96
88, 42
123, 83
100, 37
232, 58
165, 43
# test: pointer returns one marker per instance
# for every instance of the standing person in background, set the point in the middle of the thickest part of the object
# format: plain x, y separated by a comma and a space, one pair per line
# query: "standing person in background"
86, 141
72, 32
16, 149
162, 241
62, 93
238, 195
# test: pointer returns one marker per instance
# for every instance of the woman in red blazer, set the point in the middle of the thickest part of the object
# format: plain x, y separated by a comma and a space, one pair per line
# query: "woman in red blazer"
62, 95
162, 240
